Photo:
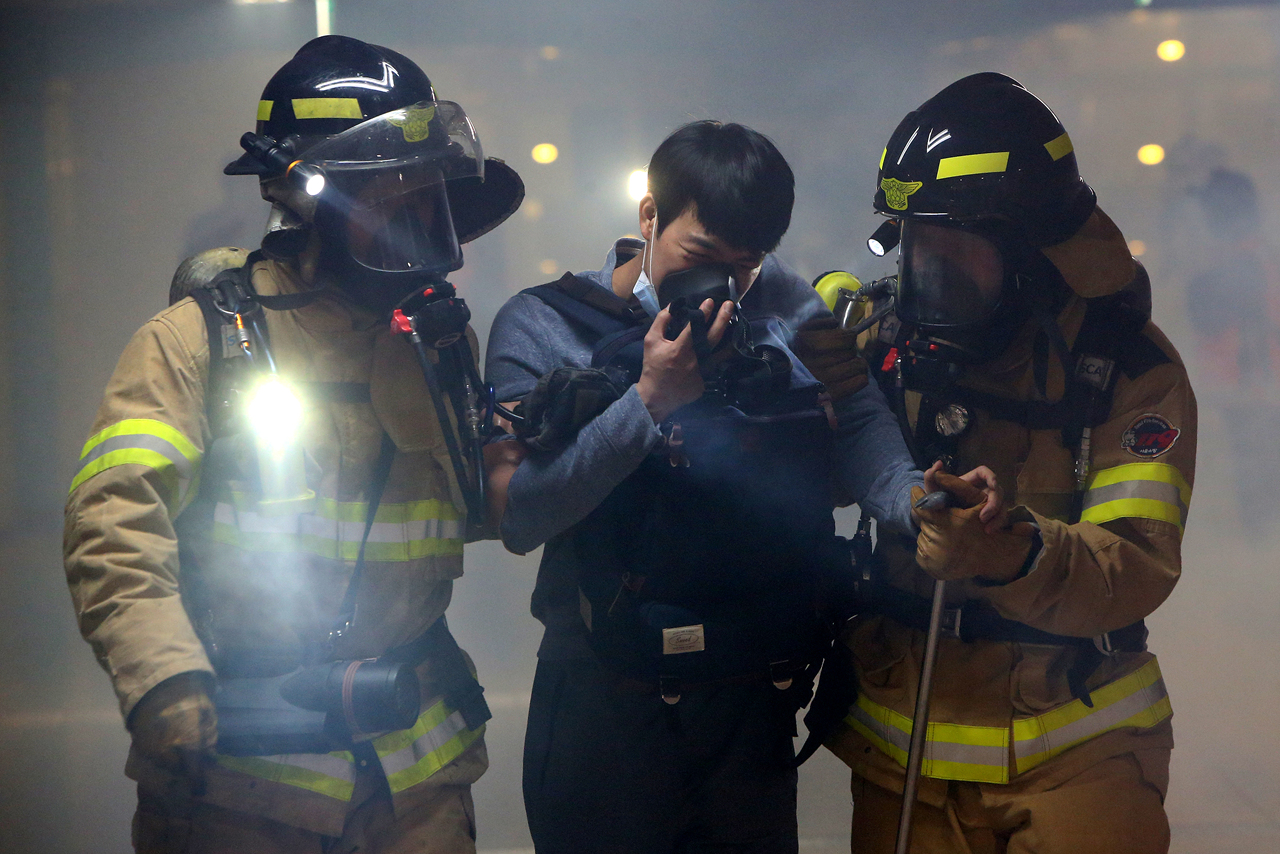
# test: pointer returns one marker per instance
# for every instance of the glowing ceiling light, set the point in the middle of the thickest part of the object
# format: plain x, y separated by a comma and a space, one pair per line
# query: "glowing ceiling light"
545, 152
1151, 154
1137, 248
550, 53
1171, 50
638, 184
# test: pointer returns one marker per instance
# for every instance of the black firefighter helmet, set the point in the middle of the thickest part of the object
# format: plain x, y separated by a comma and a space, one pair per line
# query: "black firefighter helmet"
352, 140
981, 176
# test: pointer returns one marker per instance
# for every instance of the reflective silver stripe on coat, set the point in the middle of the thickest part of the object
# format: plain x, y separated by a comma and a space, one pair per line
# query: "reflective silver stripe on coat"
1150, 489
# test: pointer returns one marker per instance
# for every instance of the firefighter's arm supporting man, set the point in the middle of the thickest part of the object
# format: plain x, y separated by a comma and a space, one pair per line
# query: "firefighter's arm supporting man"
139, 468
1122, 560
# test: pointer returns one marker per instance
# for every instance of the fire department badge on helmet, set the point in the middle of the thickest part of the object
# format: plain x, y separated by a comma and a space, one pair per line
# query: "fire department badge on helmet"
416, 123
1149, 436
896, 192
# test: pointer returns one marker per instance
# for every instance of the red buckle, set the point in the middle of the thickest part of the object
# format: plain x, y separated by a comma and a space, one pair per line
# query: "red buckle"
399, 323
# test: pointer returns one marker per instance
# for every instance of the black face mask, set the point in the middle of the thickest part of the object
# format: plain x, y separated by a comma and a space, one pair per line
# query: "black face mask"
696, 284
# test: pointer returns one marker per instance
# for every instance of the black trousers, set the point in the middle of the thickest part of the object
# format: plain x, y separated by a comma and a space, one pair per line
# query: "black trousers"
610, 767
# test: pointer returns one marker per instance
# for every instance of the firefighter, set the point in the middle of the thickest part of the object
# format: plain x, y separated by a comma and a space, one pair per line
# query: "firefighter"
212, 555
1020, 339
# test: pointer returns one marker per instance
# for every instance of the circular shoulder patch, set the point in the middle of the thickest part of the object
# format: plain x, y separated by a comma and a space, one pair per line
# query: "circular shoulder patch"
1149, 436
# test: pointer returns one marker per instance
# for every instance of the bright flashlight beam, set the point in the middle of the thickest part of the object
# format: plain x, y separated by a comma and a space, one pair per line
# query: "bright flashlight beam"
275, 413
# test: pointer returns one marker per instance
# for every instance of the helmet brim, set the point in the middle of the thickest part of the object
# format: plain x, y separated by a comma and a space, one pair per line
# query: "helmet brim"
478, 207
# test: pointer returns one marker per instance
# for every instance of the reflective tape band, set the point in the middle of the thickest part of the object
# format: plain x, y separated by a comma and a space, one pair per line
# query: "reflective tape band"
1138, 700
951, 751
146, 442
408, 757
264, 110
1137, 490
980, 754
1059, 147
411, 756
400, 532
973, 164
329, 774
327, 108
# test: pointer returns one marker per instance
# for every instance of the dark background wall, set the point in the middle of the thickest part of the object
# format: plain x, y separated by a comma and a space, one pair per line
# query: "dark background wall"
115, 120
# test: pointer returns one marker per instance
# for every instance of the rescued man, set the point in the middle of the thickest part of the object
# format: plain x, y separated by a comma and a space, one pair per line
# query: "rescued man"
685, 513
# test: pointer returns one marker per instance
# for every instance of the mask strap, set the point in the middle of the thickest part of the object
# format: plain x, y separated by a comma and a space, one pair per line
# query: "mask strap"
647, 255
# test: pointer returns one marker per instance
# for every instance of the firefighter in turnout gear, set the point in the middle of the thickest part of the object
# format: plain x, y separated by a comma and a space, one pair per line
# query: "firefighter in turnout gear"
1020, 339
269, 513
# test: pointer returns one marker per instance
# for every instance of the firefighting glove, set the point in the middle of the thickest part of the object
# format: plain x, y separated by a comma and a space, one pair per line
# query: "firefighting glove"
175, 726
561, 404
831, 355
954, 543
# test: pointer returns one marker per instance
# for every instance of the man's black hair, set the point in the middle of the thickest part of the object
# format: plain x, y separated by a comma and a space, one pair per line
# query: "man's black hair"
733, 177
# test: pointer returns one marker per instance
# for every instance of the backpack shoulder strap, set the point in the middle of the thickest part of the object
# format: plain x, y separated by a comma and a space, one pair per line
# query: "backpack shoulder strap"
585, 303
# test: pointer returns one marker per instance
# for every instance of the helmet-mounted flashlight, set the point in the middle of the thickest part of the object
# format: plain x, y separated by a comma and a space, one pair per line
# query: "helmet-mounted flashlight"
884, 239
280, 160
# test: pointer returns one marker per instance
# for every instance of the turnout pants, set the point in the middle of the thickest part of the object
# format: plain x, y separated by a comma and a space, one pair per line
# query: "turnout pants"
610, 767
172, 823
1109, 808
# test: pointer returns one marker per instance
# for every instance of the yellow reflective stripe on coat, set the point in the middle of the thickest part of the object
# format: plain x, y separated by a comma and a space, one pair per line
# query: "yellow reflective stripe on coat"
146, 442
412, 755
1137, 490
951, 751
1137, 700
408, 757
329, 774
980, 754
401, 532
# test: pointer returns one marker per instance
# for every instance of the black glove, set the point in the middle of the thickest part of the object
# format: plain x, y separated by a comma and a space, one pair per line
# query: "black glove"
562, 403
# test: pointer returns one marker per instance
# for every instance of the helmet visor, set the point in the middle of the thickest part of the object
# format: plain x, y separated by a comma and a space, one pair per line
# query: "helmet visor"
436, 132
386, 178
948, 277
398, 220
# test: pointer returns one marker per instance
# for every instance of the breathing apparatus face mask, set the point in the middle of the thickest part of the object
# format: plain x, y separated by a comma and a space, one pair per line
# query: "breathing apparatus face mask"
958, 295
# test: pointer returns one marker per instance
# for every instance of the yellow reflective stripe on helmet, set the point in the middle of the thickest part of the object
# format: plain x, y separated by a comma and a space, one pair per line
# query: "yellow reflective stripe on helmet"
412, 755
264, 110
883, 154
952, 751
1059, 147
327, 108
973, 164
1137, 490
146, 442
1137, 700
400, 532
329, 774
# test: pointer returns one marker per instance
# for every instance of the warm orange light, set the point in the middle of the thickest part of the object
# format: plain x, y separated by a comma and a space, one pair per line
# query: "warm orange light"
1151, 154
1171, 50
545, 152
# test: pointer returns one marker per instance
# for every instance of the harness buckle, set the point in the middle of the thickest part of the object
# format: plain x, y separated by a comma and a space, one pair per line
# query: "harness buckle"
951, 621
669, 687
780, 674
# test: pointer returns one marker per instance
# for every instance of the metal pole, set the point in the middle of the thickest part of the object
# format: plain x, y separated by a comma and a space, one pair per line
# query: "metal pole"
920, 721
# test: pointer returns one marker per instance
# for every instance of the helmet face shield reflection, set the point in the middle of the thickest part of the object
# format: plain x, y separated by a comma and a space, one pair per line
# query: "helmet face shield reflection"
948, 277
384, 197
399, 220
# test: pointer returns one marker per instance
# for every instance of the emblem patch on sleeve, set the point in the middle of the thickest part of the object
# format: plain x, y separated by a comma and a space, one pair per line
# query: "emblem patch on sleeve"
1149, 436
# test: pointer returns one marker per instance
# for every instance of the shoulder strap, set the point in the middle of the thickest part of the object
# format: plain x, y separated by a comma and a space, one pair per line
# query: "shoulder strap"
585, 303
